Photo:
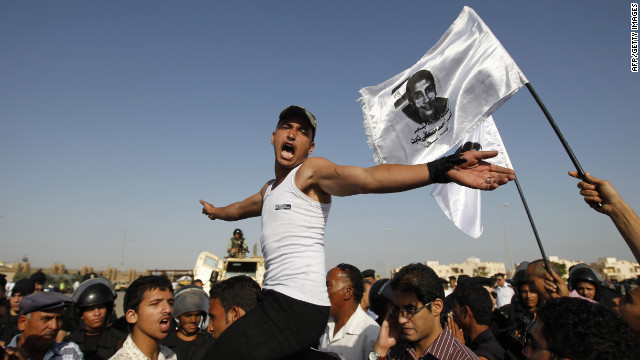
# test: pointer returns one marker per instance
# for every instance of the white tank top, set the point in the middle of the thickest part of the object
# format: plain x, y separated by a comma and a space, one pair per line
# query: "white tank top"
293, 242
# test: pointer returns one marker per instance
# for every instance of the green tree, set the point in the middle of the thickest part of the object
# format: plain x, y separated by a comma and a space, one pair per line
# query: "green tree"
562, 269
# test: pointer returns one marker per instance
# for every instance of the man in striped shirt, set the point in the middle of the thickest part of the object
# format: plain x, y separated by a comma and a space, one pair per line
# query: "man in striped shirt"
413, 330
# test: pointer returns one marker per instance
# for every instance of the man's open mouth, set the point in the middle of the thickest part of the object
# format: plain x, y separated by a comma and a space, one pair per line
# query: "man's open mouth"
287, 151
164, 325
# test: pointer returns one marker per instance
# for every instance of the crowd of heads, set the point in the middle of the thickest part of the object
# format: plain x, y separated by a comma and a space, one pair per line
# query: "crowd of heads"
594, 322
36, 320
591, 321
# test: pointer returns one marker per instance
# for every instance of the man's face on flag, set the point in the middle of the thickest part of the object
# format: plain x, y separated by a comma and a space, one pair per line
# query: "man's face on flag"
423, 95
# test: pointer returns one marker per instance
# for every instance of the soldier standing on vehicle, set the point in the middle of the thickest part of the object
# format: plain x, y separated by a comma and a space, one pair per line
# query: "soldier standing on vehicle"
237, 247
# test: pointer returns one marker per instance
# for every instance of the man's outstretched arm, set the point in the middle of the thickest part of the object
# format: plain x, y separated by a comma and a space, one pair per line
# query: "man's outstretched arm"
249, 207
626, 220
387, 178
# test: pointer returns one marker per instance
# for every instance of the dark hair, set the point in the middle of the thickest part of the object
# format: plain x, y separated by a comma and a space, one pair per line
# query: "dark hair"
480, 280
39, 277
354, 276
477, 299
418, 279
579, 329
241, 291
135, 291
368, 273
416, 78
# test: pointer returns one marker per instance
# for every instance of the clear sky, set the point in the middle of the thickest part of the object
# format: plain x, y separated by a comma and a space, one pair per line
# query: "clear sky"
117, 116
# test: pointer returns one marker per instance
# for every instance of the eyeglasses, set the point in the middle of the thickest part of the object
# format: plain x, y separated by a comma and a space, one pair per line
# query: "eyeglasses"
530, 346
408, 312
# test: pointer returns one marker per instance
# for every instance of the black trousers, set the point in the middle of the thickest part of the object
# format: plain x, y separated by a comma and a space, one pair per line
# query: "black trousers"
278, 327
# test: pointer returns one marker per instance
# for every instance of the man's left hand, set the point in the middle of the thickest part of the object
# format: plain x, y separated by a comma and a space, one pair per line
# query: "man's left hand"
476, 173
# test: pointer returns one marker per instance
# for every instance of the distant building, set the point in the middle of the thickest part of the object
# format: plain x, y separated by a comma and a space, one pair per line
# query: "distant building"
567, 263
473, 266
611, 268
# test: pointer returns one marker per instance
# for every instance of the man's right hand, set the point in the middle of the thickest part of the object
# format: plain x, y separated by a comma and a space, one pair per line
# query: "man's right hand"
554, 285
389, 334
208, 209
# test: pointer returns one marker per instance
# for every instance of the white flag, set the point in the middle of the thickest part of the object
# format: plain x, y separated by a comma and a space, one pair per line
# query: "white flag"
421, 113
462, 204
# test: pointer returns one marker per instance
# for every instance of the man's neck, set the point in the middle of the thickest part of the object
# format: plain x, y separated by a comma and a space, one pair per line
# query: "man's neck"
185, 337
423, 344
343, 315
281, 173
147, 345
475, 330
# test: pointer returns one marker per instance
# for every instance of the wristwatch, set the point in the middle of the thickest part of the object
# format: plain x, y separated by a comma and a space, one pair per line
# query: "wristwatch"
375, 356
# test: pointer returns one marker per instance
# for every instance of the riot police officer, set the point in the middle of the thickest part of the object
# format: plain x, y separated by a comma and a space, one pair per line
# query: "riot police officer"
188, 339
588, 283
93, 304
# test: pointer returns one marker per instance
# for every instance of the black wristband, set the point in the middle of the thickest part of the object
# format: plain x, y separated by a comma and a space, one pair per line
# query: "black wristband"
438, 168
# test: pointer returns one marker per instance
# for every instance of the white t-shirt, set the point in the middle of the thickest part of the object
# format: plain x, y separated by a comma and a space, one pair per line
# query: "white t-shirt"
130, 351
292, 242
505, 293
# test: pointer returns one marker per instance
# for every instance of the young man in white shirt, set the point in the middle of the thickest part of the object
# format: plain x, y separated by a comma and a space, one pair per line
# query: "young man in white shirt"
148, 308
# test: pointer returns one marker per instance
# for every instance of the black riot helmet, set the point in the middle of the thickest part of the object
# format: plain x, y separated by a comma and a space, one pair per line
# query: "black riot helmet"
520, 275
94, 292
238, 231
583, 273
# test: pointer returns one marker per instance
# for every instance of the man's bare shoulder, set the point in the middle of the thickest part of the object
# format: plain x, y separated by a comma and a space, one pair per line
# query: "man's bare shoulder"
264, 188
314, 164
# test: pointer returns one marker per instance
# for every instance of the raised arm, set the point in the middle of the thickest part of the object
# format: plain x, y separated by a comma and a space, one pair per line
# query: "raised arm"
387, 178
625, 219
249, 207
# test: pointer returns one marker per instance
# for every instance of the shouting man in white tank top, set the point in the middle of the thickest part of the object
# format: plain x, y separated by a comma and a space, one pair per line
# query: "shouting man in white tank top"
293, 311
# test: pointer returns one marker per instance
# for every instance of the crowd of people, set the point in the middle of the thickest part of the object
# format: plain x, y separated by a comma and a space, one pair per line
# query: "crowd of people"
303, 312
407, 316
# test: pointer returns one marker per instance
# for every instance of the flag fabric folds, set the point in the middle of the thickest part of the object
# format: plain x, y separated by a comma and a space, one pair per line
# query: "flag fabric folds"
460, 204
421, 113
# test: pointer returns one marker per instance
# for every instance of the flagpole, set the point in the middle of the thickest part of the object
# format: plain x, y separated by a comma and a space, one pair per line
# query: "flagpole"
533, 226
559, 134
572, 156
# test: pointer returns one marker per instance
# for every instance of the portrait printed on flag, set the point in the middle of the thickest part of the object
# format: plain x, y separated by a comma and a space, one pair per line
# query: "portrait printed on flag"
424, 111
430, 114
